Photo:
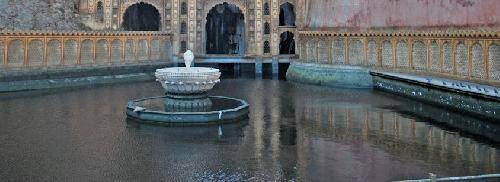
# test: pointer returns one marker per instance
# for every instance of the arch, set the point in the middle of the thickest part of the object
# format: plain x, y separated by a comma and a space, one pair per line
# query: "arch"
266, 9
35, 53
130, 51
402, 54
287, 14
267, 28
116, 51
2, 53
461, 59
225, 31
184, 8
478, 65
494, 61
16, 53
70, 52
267, 47
356, 52
102, 51
287, 43
419, 54
435, 62
183, 28
99, 12
372, 53
387, 54
448, 65
141, 17
338, 51
87, 52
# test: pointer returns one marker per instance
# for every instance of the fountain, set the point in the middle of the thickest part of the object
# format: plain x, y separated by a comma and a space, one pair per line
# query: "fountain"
186, 99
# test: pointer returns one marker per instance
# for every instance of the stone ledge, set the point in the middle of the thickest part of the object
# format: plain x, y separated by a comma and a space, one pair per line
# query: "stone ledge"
479, 90
329, 75
449, 96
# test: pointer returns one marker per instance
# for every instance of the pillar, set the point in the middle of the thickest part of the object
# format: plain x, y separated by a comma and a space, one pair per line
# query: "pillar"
258, 67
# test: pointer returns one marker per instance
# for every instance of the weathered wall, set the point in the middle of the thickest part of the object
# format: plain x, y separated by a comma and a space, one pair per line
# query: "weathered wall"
39, 15
412, 14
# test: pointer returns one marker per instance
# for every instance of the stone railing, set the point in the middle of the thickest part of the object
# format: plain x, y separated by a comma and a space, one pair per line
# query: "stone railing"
465, 55
24, 51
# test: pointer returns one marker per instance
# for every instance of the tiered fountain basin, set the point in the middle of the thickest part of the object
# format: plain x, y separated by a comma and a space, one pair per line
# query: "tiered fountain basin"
181, 81
186, 100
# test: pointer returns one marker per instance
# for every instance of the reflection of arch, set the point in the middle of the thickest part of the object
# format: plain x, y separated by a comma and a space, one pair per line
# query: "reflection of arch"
141, 17
287, 14
287, 43
225, 30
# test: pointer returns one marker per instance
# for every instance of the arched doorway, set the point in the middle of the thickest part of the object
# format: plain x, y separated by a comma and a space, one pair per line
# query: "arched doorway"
287, 15
287, 43
141, 17
225, 30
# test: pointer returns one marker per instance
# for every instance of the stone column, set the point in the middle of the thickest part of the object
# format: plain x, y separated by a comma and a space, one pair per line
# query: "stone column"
258, 67
276, 67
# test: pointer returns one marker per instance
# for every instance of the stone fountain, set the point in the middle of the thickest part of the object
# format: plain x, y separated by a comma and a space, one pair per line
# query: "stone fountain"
186, 99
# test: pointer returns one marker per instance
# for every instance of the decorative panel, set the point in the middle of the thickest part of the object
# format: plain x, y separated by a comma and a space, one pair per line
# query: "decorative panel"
129, 51
322, 52
102, 52
461, 59
142, 53
435, 57
116, 51
338, 51
87, 52
155, 49
16, 53
387, 54
356, 52
419, 55
70, 52
372, 53
447, 58
478, 67
494, 62
403, 60
35, 53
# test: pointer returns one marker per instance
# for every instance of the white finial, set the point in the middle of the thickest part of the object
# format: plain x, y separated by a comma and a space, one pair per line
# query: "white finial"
188, 58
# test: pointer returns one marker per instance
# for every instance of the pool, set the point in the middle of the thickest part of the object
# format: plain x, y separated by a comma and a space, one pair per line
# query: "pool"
294, 133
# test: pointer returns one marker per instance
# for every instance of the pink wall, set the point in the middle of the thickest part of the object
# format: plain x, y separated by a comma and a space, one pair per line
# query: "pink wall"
412, 14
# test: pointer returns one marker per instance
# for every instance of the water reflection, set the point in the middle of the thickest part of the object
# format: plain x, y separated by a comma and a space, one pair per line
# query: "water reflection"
294, 132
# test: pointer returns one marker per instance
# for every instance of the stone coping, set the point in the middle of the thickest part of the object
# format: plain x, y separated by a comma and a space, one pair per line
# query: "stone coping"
211, 117
487, 91
83, 33
448, 34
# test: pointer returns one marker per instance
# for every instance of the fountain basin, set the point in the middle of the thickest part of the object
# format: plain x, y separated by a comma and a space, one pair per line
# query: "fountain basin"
154, 111
187, 81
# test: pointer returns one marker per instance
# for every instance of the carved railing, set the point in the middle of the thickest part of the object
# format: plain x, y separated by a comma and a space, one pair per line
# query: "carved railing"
58, 50
466, 55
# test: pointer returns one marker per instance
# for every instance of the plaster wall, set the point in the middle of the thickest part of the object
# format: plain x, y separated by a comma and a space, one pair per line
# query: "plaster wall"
395, 14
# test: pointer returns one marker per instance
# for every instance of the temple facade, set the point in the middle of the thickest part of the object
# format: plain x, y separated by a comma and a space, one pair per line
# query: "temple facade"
230, 27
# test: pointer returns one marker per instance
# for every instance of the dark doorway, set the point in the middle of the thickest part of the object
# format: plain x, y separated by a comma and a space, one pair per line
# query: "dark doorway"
141, 17
225, 30
287, 15
287, 43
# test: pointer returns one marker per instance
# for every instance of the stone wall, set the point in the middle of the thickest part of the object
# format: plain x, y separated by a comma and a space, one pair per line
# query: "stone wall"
39, 15
35, 51
473, 56
395, 14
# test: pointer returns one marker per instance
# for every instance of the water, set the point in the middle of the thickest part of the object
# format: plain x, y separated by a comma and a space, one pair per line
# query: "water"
294, 133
